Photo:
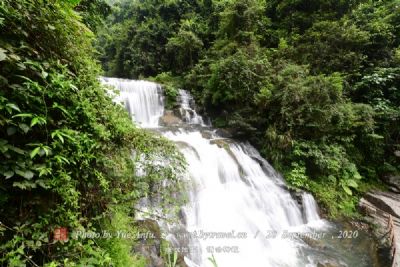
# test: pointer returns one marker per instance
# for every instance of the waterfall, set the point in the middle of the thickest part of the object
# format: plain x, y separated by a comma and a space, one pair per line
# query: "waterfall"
189, 115
142, 99
310, 208
231, 192
239, 208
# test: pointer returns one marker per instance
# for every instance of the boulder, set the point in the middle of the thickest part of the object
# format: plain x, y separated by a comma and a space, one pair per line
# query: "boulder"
221, 142
169, 119
385, 201
207, 134
226, 133
378, 206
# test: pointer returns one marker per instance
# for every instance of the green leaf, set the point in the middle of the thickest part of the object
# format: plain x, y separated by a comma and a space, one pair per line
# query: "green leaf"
15, 57
24, 185
34, 152
63, 109
357, 176
24, 127
13, 106
34, 121
45, 150
8, 174
27, 174
74, 2
347, 189
352, 183
44, 74
43, 184
16, 149
23, 115
3, 55
59, 136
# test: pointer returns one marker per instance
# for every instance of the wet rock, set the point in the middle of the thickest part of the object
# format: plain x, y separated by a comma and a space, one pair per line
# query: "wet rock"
170, 119
330, 263
226, 133
222, 143
385, 201
150, 248
177, 112
296, 195
181, 261
393, 182
314, 243
377, 206
207, 134
150, 245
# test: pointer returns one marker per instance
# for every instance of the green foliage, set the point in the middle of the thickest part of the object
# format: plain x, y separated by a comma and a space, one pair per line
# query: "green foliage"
312, 84
68, 154
170, 86
169, 256
150, 37
118, 247
297, 176
93, 12
185, 46
330, 46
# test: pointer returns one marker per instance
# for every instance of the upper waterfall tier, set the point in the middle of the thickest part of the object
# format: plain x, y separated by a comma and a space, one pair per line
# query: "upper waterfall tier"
142, 99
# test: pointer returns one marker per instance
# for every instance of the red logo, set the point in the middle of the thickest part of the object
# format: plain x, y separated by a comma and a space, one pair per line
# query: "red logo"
60, 234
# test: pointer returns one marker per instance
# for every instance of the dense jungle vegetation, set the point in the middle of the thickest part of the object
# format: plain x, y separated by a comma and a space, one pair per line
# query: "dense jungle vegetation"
65, 148
313, 84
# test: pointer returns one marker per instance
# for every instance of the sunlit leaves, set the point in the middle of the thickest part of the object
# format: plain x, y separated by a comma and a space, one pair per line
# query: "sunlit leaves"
8, 174
11, 106
37, 120
40, 150
27, 174
3, 54
61, 134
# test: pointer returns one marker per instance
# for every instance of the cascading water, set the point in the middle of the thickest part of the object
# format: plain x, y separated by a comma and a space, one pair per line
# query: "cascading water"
231, 192
142, 99
239, 211
189, 115
310, 208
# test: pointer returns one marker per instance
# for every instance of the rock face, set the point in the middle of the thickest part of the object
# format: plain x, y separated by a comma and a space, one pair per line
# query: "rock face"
170, 119
378, 205
226, 133
329, 264
393, 182
385, 201
150, 246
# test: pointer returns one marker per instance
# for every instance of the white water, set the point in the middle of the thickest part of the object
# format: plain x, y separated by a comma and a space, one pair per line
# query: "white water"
232, 189
310, 208
142, 99
189, 115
